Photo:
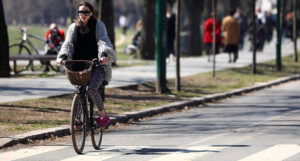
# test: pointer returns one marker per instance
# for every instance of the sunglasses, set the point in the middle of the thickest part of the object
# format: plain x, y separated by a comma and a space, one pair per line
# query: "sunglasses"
84, 12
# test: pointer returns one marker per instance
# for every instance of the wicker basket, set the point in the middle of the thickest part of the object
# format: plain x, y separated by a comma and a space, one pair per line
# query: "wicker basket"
78, 71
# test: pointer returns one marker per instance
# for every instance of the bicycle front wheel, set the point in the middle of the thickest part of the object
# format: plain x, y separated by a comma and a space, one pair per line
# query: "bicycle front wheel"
21, 49
96, 132
78, 123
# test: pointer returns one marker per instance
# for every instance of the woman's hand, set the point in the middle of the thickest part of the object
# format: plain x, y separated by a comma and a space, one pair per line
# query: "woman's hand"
103, 60
60, 63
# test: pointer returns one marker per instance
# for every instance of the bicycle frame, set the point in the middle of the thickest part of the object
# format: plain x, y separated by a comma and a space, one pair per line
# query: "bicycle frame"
89, 110
25, 39
88, 122
26, 47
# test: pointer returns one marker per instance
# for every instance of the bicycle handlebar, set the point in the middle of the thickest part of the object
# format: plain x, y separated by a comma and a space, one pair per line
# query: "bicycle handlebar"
95, 61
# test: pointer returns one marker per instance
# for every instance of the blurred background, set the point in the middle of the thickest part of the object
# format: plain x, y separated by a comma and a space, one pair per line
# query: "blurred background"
37, 15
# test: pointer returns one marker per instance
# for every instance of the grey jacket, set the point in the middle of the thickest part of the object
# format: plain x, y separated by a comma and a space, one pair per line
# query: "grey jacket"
104, 45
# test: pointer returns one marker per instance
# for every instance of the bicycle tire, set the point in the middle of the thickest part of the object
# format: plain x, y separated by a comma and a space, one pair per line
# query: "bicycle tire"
78, 123
21, 50
96, 132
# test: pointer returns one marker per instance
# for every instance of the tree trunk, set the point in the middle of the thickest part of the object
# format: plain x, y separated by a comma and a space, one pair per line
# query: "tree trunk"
148, 30
4, 52
107, 16
98, 7
71, 11
233, 4
193, 9
244, 5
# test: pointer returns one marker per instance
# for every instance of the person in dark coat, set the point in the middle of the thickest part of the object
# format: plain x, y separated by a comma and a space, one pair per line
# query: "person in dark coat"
170, 32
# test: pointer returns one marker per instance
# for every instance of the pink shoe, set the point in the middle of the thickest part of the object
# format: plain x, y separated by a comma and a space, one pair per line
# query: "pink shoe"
103, 121
77, 127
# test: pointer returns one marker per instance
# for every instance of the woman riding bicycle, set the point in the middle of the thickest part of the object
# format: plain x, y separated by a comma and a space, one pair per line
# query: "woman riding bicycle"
87, 40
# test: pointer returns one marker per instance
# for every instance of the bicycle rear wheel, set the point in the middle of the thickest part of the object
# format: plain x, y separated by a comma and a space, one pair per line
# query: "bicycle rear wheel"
78, 123
96, 132
21, 49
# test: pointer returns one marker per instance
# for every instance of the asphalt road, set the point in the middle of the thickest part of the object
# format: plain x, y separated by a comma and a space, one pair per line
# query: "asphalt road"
260, 126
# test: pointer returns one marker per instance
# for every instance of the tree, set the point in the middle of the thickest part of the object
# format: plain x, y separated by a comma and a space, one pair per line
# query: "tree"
33, 11
233, 4
193, 9
71, 10
107, 16
148, 30
4, 52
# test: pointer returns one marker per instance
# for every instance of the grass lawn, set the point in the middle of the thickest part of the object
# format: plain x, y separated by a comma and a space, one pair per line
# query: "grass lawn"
15, 35
22, 116
122, 41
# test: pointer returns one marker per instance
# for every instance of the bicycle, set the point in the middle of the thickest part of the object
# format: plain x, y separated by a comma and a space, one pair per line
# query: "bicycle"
83, 119
26, 47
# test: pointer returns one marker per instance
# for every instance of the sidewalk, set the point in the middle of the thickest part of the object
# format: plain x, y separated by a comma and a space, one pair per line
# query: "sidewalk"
29, 88
16, 89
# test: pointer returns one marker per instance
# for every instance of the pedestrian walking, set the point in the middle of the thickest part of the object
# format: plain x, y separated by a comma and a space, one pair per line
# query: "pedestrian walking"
123, 22
208, 35
270, 25
242, 20
288, 25
231, 35
171, 22
133, 48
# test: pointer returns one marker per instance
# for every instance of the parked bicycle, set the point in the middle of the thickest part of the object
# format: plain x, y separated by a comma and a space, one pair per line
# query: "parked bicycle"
84, 113
26, 48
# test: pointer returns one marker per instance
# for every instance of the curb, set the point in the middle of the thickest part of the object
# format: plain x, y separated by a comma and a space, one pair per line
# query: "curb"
129, 116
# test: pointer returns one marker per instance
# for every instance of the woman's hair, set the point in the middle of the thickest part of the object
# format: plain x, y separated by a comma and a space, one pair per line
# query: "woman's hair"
88, 5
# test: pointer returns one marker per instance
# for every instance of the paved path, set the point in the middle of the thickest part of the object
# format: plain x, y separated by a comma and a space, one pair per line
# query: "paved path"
259, 126
15, 89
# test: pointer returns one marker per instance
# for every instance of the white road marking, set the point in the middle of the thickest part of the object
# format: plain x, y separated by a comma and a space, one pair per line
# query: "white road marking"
190, 153
91, 156
23, 153
193, 151
275, 153
104, 154
207, 139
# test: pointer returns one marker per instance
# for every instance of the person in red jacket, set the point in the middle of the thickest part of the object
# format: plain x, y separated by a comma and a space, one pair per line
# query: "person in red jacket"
55, 36
54, 39
208, 35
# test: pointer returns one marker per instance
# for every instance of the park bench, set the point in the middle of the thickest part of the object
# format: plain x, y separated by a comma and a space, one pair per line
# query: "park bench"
30, 58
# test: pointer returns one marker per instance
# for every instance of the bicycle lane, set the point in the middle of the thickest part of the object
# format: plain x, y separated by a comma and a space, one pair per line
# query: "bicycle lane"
130, 75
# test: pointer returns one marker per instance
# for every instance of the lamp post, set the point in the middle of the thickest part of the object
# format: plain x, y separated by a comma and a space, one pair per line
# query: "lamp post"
161, 86
177, 51
295, 31
214, 38
254, 38
278, 42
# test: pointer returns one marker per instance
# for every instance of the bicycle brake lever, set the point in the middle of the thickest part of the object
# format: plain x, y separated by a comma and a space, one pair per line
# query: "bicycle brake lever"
95, 61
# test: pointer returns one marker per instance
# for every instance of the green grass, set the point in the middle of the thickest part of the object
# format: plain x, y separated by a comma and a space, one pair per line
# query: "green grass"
15, 35
229, 79
32, 125
123, 60
121, 46
22, 116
